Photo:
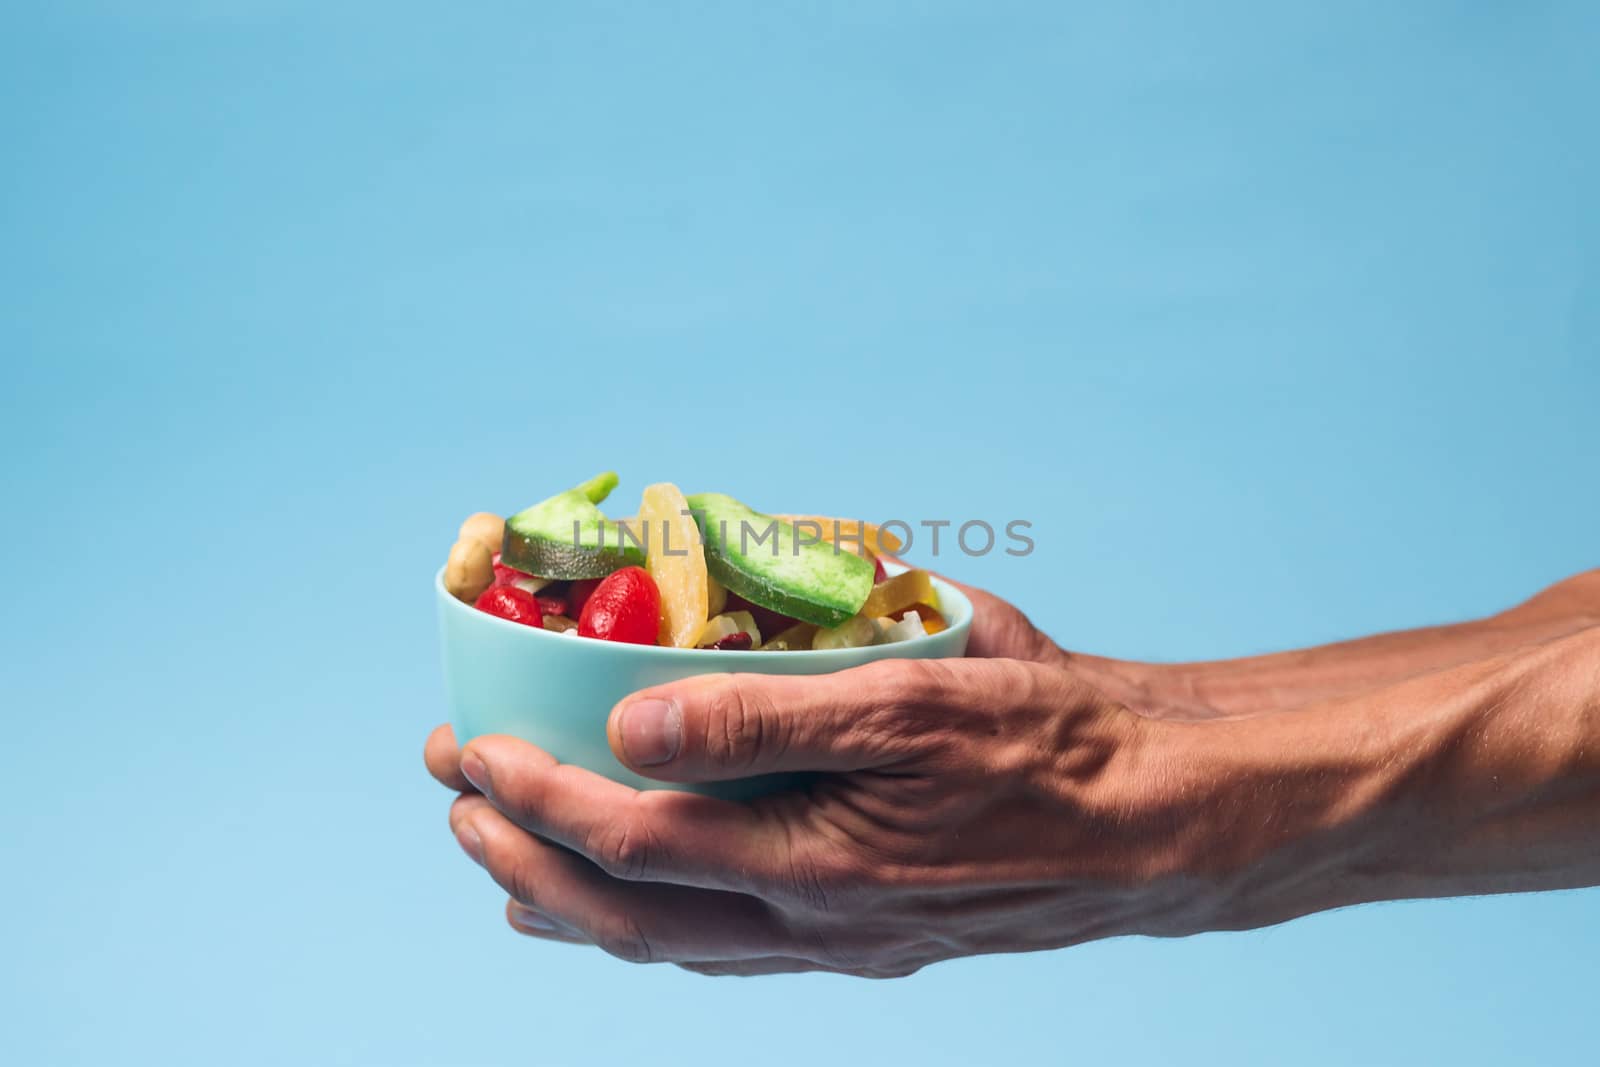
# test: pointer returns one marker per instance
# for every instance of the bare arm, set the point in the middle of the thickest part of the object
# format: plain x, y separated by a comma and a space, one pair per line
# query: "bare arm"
1286, 680
1483, 778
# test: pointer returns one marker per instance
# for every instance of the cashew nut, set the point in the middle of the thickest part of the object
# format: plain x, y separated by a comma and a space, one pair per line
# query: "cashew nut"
486, 527
470, 570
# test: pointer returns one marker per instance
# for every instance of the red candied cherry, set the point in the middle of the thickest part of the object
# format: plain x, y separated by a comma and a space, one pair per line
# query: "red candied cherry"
625, 606
509, 602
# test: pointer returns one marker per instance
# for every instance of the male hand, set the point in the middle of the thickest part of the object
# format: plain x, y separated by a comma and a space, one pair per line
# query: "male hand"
964, 806
1005, 804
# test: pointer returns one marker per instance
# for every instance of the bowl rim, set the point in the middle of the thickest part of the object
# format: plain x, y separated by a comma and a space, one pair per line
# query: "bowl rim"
701, 655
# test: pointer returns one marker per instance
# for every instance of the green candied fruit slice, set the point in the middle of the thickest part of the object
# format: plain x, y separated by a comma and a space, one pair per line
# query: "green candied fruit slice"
568, 537
768, 562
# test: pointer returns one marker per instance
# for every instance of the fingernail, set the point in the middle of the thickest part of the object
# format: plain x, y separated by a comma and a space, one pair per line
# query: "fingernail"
531, 919
470, 843
652, 731
474, 771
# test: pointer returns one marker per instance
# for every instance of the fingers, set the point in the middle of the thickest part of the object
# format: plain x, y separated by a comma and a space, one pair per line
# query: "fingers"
656, 836
534, 923
753, 968
789, 965
999, 628
444, 759
639, 922
531, 923
723, 726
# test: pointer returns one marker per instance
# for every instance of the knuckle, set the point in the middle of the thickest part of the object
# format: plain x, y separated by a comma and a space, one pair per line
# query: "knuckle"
621, 936
824, 882
883, 953
741, 726
521, 882
522, 800
832, 953
623, 848
911, 711
930, 674
1013, 681
901, 695
938, 679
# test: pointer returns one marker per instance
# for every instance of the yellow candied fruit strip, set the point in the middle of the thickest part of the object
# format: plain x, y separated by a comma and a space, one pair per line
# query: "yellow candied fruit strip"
900, 592
676, 560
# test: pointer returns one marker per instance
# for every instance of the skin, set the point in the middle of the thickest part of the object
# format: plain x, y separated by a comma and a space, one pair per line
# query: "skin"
1030, 798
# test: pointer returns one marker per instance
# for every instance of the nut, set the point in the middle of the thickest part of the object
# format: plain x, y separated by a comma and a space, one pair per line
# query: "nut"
470, 570
486, 527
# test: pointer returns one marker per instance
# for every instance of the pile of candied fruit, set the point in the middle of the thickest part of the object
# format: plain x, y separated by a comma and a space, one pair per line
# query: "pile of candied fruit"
682, 573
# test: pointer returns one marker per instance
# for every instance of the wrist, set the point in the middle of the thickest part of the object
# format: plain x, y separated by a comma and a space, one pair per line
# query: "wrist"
1279, 816
1479, 779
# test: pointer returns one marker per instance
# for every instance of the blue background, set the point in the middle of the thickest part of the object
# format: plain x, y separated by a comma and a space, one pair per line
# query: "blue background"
1280, 321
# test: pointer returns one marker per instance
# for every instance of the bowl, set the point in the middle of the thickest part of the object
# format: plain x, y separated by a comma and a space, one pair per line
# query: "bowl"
557, 692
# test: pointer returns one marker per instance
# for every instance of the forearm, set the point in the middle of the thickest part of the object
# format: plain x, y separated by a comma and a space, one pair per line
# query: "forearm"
1285, 680
1480, 779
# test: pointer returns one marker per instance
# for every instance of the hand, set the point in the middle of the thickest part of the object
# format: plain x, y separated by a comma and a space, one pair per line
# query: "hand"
958, 722
967, 806
999, 805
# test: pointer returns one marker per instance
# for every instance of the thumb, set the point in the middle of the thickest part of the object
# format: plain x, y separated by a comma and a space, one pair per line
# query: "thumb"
719, 726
